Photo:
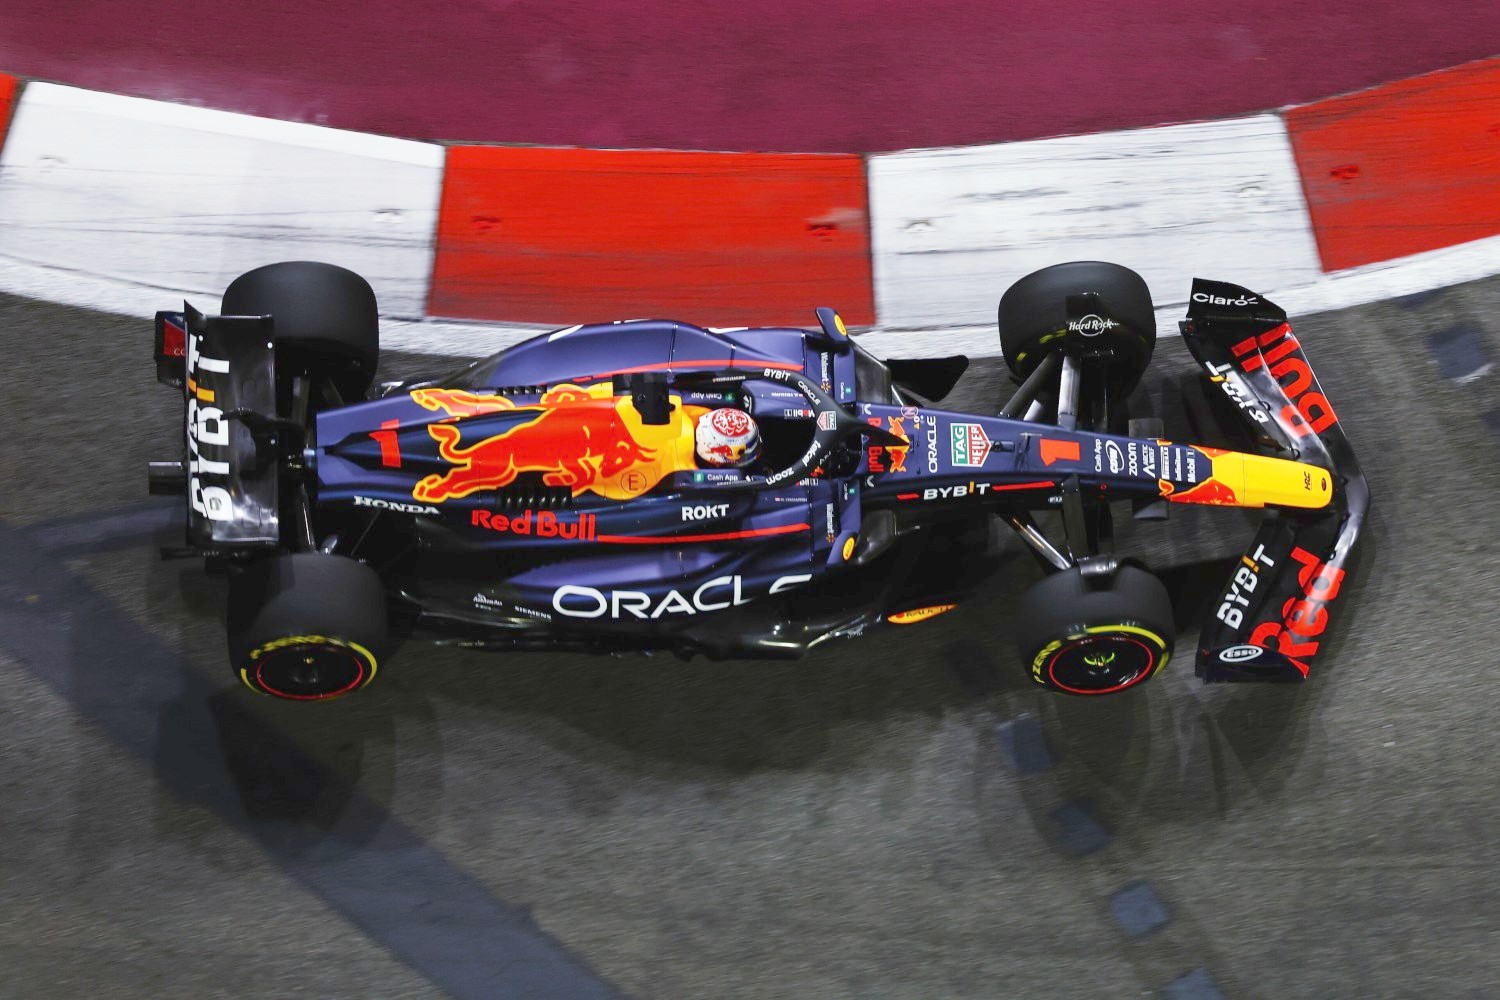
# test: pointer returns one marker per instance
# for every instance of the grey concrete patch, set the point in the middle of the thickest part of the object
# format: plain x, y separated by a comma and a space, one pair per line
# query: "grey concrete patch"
1461, 352
1195, 985
1024, 745
1078, 830
1139, 910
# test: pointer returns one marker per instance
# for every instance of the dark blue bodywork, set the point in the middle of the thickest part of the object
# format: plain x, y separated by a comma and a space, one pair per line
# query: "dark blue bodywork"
547, 496
706, 543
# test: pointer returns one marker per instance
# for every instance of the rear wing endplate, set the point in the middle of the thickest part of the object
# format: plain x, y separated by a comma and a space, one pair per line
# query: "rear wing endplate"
225, 366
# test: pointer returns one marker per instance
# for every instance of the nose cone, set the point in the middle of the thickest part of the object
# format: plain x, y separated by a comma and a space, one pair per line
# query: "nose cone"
1282, 483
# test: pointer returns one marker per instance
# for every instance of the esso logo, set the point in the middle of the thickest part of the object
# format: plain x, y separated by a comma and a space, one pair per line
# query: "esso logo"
1240, 654
734, 423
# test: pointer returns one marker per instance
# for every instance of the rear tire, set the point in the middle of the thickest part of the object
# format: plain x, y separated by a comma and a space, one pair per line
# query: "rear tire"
325, 321
1035, 308
1093, 636
307, 626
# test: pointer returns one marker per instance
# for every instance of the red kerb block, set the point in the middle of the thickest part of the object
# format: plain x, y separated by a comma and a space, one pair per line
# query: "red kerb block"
1403, 168
8, 89
580, 235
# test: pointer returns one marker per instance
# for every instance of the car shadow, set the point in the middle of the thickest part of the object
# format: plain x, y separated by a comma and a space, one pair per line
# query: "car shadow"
298, 778
1173, 751
658, 714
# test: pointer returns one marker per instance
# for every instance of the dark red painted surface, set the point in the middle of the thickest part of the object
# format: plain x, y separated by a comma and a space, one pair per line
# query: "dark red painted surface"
831, 75
1403, 168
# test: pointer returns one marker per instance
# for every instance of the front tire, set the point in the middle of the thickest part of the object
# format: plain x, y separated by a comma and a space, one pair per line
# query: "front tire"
1033, 319
1095, 635
307, 626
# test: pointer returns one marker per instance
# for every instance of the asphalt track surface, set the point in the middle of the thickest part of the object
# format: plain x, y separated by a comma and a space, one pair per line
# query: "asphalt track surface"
774, 75
898, 818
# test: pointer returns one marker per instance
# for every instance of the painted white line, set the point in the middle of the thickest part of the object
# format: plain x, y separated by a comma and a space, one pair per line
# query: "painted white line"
129, 206
952, 228
1393, 278
88, 289
1323, 293
1408, 276
74, 100
1476, 374
180, 198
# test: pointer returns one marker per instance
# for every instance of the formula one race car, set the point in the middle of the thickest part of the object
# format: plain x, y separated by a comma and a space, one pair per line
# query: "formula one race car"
650, 485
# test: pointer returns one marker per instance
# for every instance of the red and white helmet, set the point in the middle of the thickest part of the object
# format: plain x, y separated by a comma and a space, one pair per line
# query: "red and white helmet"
727, 438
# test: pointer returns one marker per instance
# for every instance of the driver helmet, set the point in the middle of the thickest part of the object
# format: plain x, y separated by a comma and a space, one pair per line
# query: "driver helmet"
727, 438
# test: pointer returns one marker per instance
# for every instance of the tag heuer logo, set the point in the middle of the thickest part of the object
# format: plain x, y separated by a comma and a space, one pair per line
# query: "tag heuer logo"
970, 444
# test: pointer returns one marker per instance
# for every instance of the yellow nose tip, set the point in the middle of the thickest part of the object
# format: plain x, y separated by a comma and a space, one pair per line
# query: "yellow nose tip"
1281, 483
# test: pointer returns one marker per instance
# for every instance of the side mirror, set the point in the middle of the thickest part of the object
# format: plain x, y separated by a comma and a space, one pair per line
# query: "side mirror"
835, 334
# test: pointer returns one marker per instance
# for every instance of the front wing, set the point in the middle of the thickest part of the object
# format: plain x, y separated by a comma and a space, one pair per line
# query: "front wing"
1272, 615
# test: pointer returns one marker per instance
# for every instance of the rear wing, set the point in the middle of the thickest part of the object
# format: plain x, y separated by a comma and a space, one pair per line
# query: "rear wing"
225, 367
1270, 618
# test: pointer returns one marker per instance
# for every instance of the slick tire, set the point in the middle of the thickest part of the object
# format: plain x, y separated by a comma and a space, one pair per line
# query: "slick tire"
1095, 636
1034, 310
324, 321
307, 626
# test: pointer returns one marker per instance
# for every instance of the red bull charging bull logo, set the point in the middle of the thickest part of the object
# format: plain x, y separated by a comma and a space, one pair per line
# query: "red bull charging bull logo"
584, 439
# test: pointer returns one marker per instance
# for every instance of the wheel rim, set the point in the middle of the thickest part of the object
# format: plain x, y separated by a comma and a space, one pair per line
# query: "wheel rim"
309, 671
1101, 664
